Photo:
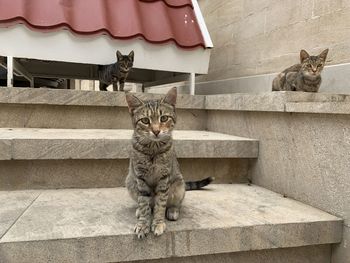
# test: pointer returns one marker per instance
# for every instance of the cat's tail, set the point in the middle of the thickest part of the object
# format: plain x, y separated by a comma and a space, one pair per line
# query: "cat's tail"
196, 185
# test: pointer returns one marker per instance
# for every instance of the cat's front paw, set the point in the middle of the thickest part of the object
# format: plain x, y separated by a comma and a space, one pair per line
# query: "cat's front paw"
158, 228
141, 229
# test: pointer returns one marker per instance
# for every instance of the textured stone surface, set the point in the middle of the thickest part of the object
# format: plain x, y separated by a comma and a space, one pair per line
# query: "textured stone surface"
12, 206
85, 117
246, 102
315, 97
32, 144
341, 252
85, 98
319, 107
23, 112
5, 149
335, 80
309, 254
254, 37
245, 99
88, 225
304, 156
281, 102
251, 84
225, 170
54, 174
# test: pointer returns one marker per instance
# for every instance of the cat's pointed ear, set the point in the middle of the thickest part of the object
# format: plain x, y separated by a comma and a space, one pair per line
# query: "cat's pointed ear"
323, 54
170, 97
133, 102
303, 55
131, 55
119, 55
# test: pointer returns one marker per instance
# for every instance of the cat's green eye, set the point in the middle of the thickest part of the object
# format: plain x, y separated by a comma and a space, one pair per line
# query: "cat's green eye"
164, 118
145, 121
319, 65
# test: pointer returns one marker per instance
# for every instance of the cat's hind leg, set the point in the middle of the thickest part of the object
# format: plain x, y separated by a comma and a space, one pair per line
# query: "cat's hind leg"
115, 85
121, 84
175, 198
291, 81
278, 82
103, 87
173, 213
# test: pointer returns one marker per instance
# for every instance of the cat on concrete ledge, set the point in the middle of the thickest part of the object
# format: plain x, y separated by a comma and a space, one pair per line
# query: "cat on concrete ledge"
305, 76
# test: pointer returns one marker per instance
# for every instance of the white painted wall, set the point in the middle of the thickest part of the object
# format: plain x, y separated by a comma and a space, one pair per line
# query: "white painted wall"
62, 45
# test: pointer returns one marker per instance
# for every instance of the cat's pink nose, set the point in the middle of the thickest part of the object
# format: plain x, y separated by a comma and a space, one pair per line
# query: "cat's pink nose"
156, 132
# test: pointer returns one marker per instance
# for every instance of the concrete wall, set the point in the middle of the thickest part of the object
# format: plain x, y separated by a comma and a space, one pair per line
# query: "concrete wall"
304, 156
309, 254
335, 80
256, 37
260, 37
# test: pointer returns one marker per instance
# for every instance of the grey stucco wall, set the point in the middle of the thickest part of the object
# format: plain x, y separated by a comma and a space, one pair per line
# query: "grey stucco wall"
309, 254
304, 156
265, 36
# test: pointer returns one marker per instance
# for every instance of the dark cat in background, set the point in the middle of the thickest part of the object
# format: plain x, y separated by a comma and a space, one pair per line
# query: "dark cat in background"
116, 72
305, 76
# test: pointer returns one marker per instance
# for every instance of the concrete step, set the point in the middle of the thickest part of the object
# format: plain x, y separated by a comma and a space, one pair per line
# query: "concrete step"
57, 144
66, 158
50, 108
77, 109
96, 225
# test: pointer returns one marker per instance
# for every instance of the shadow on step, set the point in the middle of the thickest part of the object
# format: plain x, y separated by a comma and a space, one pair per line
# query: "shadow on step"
53, 174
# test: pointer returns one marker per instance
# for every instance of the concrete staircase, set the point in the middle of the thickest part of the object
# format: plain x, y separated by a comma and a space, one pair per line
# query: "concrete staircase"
66, 158
63, 161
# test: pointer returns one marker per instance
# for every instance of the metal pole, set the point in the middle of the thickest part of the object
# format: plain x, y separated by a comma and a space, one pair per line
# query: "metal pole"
9, 71
192, 83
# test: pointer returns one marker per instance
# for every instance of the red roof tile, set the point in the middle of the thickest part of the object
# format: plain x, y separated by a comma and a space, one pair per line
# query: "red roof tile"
173, 3
157, 21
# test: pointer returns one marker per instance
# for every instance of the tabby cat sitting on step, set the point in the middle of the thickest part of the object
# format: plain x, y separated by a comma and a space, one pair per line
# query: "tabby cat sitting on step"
155, 181
116, 72
305, 76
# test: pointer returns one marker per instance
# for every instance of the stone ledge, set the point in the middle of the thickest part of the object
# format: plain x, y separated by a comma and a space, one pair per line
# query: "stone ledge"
282, 101
55, 144
269, 101
85, 98
95, 225
246, 102
318, 107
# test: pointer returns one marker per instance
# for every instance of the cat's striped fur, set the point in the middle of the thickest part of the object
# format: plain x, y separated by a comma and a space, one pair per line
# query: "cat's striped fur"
305, 76
155, 181
116, 72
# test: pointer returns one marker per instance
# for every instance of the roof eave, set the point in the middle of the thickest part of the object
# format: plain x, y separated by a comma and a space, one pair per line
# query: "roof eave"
203, 27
